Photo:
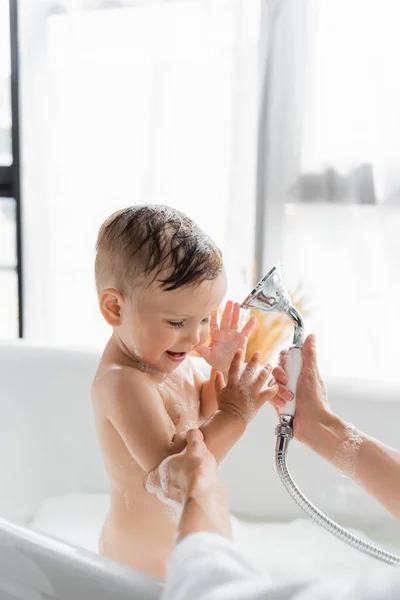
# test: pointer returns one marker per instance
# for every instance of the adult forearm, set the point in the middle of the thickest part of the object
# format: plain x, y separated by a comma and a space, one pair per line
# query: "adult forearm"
206, 512
376, 467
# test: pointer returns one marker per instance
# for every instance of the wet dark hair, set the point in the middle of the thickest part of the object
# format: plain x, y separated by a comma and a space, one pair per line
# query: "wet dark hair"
145, 240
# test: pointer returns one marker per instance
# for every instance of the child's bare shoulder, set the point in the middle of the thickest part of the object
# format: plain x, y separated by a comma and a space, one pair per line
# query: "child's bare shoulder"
118, 382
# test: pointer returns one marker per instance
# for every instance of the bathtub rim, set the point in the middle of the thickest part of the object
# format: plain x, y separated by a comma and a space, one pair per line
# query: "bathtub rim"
50, 547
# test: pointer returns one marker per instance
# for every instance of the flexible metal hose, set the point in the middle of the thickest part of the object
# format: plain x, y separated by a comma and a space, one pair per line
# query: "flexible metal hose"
270, 294
316, 515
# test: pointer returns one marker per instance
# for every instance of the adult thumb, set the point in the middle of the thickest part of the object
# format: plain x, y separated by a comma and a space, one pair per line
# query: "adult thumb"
310, 352
193, 436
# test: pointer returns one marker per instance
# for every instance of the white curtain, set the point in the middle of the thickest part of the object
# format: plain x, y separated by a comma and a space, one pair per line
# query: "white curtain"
135, 102
348, 256
342, 248
353, 91
128, 102
283, 51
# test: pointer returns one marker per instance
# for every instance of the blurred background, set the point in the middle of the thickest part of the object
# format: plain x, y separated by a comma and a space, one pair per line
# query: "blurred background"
275, 124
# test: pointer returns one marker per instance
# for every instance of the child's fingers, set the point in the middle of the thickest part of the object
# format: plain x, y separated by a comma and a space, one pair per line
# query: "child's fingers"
262, 378
249, 371
203, 351
234, 369
227, 316
235, 316
219, 382
214, 328
248, 328
254, 360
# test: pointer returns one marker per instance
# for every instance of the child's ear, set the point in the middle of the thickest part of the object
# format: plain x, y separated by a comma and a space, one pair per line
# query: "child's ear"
111, 303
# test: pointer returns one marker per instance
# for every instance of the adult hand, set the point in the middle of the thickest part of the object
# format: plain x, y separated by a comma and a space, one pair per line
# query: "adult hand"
312, 408
192, 472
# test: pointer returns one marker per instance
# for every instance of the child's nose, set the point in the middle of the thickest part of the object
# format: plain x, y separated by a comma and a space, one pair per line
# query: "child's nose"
193, 337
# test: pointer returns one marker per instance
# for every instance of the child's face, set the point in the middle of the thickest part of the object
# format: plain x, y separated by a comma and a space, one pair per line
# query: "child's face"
160, 328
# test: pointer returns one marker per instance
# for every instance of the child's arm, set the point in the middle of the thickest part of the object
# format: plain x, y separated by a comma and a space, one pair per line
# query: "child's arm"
238, 403
222, 429
136, 410
206, 390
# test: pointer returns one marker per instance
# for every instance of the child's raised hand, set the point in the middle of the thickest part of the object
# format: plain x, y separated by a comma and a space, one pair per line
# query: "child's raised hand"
226, 337
243, 395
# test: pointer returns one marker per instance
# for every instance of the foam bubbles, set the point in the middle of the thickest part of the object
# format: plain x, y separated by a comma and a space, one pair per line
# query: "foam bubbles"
245, 384
346, 454
128, 504
190, 425
162, 490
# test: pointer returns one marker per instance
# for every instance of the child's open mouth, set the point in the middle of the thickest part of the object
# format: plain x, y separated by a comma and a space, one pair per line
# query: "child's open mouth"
176, 356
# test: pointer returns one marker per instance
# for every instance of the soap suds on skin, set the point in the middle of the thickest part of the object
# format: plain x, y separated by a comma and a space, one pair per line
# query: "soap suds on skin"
245, 387
162, 490
345, 458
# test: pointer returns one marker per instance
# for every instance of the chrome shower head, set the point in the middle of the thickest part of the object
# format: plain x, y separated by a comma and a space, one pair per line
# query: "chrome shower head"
271, 294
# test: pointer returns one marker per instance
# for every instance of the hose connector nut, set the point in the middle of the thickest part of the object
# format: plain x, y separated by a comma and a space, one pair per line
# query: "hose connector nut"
285, 427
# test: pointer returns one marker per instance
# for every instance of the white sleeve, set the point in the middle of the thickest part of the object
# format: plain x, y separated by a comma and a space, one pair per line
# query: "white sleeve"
206, 566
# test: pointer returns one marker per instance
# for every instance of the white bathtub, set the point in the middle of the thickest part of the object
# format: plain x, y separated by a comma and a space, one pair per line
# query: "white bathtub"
48, 449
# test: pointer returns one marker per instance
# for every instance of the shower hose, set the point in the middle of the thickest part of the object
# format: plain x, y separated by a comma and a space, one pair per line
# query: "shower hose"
321, 519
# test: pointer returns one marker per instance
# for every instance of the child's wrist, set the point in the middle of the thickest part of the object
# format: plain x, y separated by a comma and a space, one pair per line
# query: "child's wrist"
234, 414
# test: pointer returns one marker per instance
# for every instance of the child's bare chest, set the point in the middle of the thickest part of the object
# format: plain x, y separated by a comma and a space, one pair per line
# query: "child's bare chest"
181, 401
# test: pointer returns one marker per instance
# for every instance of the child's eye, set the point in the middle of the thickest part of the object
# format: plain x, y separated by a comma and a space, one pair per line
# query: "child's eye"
176, 323
205, 321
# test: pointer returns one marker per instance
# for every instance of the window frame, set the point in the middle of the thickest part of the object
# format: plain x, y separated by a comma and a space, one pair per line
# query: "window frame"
10, 181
